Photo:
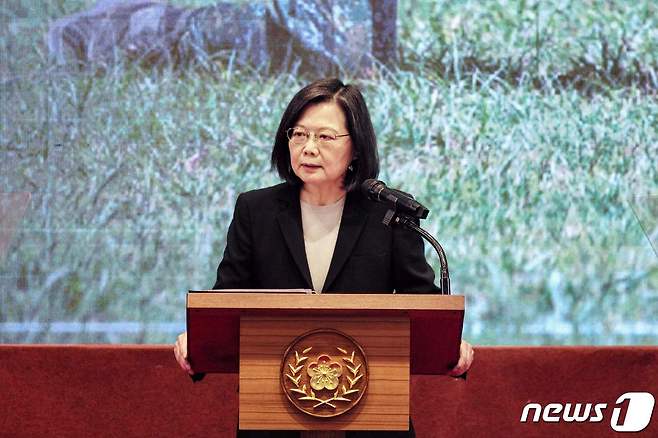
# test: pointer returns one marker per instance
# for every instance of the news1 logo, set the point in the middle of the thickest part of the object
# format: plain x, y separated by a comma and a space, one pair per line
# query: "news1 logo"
632, 412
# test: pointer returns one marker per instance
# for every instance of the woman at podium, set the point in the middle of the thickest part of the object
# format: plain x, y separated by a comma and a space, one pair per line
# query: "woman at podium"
316, 230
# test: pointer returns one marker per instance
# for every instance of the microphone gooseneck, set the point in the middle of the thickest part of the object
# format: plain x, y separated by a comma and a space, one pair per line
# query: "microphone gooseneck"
409, 223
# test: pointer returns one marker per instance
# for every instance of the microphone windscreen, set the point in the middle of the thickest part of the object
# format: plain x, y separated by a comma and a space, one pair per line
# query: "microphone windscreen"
371, 187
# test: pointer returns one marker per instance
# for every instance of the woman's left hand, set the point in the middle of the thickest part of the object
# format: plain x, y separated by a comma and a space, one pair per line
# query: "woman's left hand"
466, 354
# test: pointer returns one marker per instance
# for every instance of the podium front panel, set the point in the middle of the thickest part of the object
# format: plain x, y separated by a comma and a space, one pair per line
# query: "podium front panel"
263, 342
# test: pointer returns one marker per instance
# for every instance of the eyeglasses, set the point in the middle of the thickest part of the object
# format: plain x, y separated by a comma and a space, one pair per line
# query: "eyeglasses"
300, 136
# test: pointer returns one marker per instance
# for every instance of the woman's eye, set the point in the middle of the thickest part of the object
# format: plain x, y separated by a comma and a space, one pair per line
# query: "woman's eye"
325, 137
299, 134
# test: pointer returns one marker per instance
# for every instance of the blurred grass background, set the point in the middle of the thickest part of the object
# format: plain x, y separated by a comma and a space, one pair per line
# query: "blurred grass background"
530, 129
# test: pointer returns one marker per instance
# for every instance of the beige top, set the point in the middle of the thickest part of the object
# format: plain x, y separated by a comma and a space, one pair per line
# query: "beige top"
320, 224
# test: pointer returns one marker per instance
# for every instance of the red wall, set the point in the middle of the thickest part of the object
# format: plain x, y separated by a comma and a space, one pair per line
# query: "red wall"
126, 391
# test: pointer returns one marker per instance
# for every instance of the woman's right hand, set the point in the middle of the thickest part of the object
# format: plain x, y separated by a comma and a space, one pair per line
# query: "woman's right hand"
180, 351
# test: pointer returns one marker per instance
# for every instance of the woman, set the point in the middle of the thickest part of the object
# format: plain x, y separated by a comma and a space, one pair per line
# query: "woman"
316, 230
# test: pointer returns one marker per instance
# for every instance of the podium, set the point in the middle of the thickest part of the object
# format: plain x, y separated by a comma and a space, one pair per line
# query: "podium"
323, 361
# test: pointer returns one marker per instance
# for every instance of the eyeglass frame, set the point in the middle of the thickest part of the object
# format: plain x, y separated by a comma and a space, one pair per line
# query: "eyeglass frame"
315, 134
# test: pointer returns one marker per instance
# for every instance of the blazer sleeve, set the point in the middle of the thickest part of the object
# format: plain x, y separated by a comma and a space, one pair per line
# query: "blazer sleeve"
411, 272
235, 269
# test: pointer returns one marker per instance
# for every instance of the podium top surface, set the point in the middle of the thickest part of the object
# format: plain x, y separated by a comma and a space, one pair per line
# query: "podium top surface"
327, 301
213, 322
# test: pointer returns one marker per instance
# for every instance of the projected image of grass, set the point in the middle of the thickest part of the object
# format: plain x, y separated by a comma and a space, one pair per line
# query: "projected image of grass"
530, 129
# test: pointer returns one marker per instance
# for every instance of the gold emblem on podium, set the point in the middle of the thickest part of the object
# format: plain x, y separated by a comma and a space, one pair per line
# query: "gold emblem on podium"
324, 373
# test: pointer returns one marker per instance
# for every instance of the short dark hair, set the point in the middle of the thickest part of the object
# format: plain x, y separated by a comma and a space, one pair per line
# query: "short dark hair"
365, 163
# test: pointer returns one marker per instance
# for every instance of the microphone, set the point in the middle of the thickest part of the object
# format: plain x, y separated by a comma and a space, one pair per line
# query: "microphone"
377, 191
404, 211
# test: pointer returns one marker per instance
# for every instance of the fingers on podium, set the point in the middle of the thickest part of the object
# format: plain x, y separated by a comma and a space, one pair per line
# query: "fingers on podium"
180, 352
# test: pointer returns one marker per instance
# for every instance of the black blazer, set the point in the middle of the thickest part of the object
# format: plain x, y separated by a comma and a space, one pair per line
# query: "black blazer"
265, 248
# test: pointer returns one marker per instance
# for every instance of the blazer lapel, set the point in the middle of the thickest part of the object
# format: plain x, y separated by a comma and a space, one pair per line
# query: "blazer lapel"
351, 225
290, 222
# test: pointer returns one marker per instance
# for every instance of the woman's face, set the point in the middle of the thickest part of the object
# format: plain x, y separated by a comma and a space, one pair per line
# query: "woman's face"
319, 162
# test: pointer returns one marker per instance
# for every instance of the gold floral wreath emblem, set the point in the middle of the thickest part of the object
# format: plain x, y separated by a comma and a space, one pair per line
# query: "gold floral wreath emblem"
324, 373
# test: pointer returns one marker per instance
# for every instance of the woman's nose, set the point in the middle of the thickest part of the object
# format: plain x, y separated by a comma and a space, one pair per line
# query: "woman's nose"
311, 147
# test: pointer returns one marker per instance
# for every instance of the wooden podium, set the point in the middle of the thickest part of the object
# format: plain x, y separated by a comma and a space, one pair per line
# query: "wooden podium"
251, 332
